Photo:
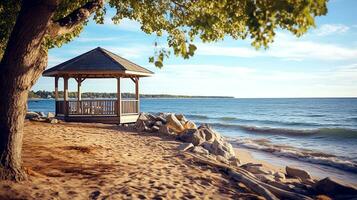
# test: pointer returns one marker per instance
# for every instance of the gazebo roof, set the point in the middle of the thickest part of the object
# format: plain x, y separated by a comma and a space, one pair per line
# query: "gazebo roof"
98, 63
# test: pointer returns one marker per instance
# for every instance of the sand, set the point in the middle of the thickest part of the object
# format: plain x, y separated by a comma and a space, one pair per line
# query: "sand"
96, 161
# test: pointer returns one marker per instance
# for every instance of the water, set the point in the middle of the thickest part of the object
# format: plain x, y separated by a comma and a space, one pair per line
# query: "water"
316, 130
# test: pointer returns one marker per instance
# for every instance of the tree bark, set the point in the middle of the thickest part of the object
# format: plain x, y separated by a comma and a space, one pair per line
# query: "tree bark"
23, 62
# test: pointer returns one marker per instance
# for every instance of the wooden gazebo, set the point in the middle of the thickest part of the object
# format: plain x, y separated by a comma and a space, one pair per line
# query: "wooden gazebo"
97, 63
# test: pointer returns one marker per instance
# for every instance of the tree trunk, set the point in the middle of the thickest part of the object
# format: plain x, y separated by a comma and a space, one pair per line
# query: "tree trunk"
23, 62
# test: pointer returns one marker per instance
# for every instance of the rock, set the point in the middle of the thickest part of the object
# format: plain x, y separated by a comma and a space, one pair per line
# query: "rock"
234, 161
50, 115
161, 118
279, 176
174, 124
180, 117
31, 115
190, 125
164, 130
42, 114
194, 136
297, 173
200, 150
151, 117
222, 149
256, 169
333, 187
140, 125
266, 178
185, 146
158, 123
53, 121
155, 128
142, 117
222, 159
210, 134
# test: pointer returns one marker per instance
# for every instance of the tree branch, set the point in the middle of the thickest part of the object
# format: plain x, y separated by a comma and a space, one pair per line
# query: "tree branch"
71, 21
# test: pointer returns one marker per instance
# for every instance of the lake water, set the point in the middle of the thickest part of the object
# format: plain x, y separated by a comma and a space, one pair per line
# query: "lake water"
317, 130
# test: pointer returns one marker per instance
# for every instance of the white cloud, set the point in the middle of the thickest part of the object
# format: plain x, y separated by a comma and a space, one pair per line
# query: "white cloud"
285, 47
329, 29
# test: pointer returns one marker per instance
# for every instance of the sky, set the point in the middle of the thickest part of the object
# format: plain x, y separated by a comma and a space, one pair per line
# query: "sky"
322, 63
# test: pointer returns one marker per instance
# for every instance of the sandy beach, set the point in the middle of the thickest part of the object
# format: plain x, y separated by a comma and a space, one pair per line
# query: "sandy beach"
81, 161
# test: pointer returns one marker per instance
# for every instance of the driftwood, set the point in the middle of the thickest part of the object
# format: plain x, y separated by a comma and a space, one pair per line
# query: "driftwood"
263, 189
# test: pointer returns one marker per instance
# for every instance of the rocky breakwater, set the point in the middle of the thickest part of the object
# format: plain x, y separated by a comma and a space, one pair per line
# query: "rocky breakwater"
203, 141
41, 117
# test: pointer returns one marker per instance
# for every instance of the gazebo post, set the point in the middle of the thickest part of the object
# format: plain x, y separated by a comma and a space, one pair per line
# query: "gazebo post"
56, 88
79, 95
137, 95
65, 95
118, 98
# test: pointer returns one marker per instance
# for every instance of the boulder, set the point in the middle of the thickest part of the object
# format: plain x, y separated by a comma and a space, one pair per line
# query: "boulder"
161, 118
50, 115
333, 187
193, 136
223, 149
190, 125
297, 173
155, 128
164, 130
140, 125
31, 115
174, 124
180, 117
185, 146
200, 150
210, 134
158, 123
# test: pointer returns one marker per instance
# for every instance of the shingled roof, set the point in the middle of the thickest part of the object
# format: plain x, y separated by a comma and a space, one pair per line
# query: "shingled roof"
96, 63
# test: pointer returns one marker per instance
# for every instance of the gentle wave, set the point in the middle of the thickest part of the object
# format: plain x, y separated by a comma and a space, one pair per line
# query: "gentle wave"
327, 132
296, 153
259, 121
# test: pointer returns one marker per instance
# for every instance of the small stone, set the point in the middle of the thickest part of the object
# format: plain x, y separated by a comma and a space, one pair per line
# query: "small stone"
234, 161
53, 121
185, 146
200, 150
297, 173
50, 115
279, 176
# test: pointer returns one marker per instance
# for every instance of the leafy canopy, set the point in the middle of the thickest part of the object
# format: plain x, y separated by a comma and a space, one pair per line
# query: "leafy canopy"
180, 22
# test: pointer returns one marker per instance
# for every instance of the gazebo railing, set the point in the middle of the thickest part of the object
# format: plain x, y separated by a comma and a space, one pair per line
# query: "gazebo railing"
97, 107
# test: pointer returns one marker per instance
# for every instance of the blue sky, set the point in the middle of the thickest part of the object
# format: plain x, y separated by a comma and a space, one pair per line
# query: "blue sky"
322, 63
